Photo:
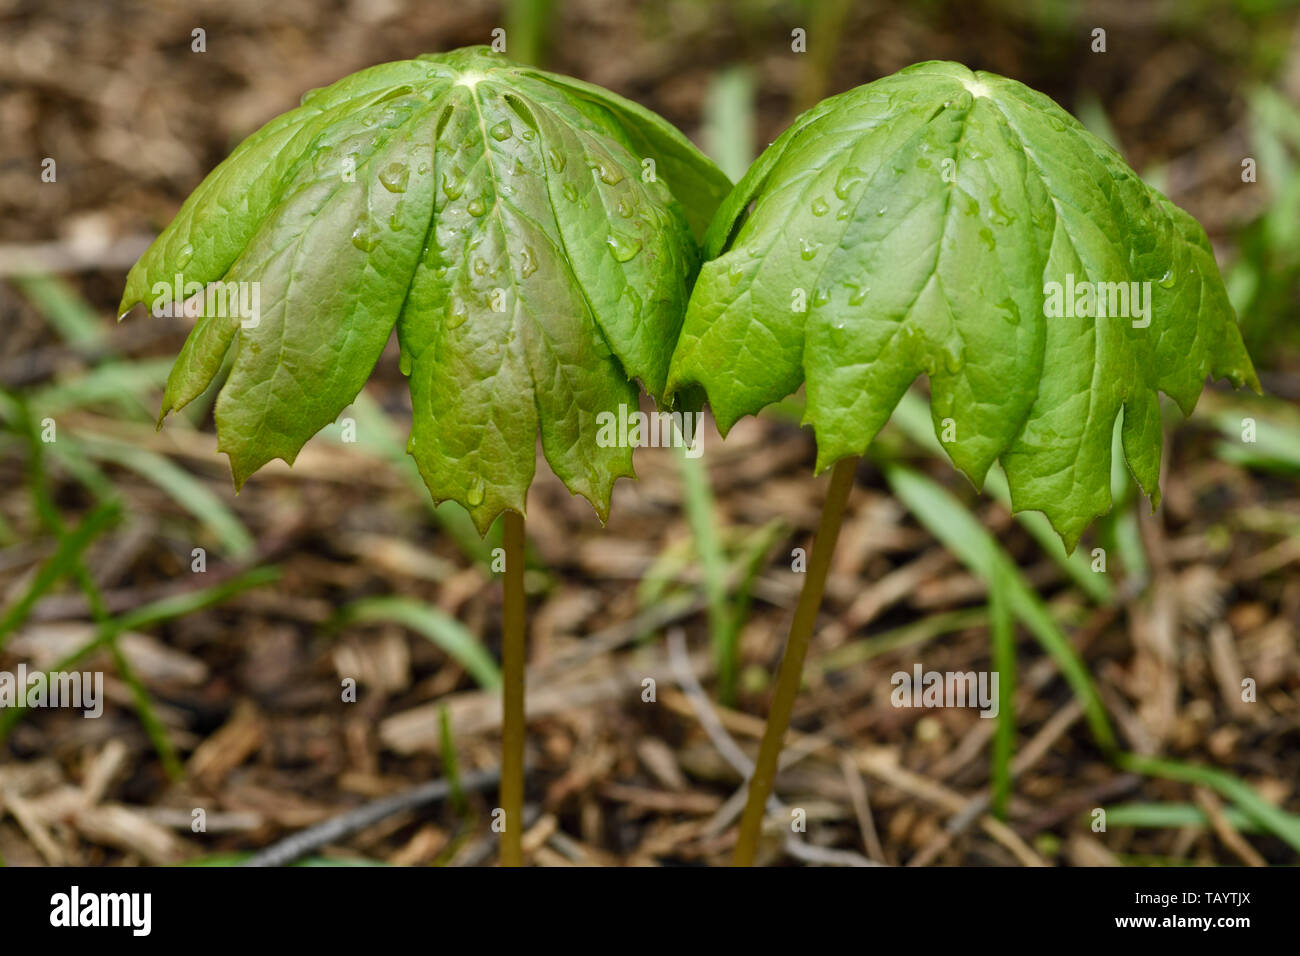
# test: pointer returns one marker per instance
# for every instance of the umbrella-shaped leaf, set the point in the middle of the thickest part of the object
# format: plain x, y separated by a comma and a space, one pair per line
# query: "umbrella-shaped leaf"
524, 232
963, 226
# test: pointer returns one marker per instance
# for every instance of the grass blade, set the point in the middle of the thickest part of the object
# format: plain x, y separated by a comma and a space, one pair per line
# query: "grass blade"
188, 602
1283, 825
62, 563
1276, 444
528, 29
442, 629
177, 605
1003, 634
965, 537
728, 131
187, 491
71, 316
111, 382
913, 419
905, 635
1159, 816
699, 506
144, 709
450, 765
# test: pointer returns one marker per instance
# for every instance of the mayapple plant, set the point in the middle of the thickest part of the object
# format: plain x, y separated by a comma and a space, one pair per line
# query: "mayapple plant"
531, 237
960, 225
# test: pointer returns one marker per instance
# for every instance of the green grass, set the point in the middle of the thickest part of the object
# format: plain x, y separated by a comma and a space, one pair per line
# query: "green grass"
1003, 635
945, 518
441, 629
1273, 819
150, 614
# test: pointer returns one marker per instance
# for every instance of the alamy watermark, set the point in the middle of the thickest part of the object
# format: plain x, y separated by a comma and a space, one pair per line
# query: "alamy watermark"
133, 911
79, 690
637, 429
946, 689
1102, 300
215, 300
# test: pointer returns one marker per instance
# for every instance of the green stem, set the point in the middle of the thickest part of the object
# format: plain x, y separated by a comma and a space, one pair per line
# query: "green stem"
513, 651
791, 673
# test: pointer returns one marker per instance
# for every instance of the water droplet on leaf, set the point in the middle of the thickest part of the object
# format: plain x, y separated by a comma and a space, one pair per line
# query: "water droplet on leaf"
394, 177
457, 314
1000, 217
849, 177
608, 174
528, 262
363, 236
623, 246
475, 494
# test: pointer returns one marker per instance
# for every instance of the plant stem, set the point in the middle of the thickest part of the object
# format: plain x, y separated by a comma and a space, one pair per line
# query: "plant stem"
788, 679
513, 650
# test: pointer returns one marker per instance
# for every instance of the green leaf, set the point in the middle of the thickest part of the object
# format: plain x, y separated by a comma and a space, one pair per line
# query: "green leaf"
496, 215
922, 218
697, 183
